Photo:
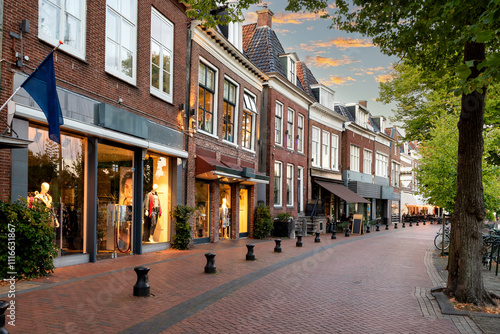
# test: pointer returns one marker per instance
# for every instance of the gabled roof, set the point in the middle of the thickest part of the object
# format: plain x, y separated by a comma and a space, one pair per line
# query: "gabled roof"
262, 47
373, 124
342, 110
306, 78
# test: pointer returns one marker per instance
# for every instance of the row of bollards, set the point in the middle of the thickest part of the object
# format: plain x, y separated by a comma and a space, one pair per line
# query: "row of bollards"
142, 288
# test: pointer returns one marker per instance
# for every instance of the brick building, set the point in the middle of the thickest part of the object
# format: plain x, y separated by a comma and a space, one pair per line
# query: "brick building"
118, 171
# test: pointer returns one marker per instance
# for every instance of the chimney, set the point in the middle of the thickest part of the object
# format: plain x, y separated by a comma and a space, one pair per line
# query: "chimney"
363, 103
265, 18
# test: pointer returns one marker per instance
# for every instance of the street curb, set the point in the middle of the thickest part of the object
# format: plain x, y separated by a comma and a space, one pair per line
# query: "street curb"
448, 309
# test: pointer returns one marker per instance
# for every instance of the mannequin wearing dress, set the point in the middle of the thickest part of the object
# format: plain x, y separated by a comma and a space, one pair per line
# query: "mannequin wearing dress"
224, 216
44, 197
153, 212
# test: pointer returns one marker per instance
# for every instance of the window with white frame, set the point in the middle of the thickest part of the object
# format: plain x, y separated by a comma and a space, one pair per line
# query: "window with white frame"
361, 117
326, 98
300, 134
300, 188
277, 183
206, 98
395, 172
162, 44
278, 124
63, 21
325, 144
289, 185
292, 70
335, 152
367, 161
315, 147
354, 158
121, 39
289, 129
382, 164
248, 121
228, 110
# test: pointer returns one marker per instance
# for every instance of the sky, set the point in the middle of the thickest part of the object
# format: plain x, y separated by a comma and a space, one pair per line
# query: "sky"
345, 62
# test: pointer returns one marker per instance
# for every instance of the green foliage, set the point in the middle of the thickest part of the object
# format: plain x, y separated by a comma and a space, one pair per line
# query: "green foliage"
263, 224
490, 216
33, 237
342, 226
182, 236
284, 217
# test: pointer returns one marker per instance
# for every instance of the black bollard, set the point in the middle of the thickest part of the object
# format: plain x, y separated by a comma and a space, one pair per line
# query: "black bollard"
424, 222
417, 223
250, 254
395, 225
3, 307
347, 234
299, 241
387, 226
317, 237
411, 224
367, 228
277, 249
334, 230
141, 287
378, 227
210, 267
404, 225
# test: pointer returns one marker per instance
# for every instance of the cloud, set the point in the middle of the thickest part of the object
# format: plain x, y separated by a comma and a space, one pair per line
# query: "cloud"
383, 78
250, 17
334, 80
319, 61
283, 31
310, 28
295, 18
340, 43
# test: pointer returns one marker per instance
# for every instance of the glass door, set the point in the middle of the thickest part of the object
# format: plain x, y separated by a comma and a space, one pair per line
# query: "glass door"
115, 189
243, 212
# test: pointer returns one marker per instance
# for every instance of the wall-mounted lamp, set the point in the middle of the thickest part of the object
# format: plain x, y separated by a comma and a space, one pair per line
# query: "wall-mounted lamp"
192, 112
24, 26
181, 107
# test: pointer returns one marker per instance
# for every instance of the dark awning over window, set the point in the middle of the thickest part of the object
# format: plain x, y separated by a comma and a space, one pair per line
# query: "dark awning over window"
343, 192
11, 142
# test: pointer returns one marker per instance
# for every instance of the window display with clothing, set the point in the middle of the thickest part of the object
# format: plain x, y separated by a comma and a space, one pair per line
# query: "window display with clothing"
152, 212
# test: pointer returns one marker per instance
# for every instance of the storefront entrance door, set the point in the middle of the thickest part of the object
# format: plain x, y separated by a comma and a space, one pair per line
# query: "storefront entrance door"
243, 212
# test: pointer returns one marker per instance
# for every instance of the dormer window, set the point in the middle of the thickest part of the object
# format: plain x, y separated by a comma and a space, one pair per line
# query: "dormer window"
324, 95
289, 64
361, 117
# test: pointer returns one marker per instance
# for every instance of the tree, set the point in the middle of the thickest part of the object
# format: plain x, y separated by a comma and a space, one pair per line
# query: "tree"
446, 37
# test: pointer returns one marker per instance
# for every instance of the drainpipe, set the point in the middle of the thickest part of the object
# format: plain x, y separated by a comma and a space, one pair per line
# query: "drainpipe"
187, 102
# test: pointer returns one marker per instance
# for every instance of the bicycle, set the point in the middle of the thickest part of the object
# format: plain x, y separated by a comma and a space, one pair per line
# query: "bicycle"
438, 239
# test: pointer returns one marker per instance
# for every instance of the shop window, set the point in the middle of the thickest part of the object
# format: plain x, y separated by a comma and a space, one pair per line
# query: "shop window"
225, 211
61, 169
202, 210
156, 203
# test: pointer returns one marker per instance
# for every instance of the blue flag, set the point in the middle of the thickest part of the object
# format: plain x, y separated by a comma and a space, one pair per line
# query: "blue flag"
41, 85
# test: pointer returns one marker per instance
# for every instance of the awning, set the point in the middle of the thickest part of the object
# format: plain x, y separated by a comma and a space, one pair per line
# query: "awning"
210, 168
343, 192
7, 142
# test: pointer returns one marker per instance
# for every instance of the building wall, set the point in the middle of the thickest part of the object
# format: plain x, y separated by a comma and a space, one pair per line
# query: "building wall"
351, 137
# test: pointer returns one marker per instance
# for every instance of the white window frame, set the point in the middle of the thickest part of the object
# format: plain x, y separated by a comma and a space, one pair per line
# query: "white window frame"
335, 152
215, 101
158, 92
289, 185
316, 147
326, 98
289, 128
250, 106
278, 121
235, 114
132, 39
354, 161
292, 70
382, 164
367, 161
395, 173
278, 193
75, 51
325, 149
300, 188
300, 134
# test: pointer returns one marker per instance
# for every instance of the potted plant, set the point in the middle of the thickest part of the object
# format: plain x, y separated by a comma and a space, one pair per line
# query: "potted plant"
263, 224
282, 225
182, 236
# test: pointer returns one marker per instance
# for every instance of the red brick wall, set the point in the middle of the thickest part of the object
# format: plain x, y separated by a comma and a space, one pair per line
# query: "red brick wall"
363, 142
88, 77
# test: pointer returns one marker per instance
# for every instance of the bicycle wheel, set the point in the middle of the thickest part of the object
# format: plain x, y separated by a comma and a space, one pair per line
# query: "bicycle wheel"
438, 241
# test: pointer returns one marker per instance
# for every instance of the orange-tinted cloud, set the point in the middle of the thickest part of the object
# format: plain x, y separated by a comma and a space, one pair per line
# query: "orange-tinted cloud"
319, 61
341, 43
383, 78
334, 80
295, 18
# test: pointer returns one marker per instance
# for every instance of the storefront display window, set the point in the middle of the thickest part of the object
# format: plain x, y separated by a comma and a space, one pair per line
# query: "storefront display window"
156, 203
56, 178
225, 211
201, 214
243, 211
115, 188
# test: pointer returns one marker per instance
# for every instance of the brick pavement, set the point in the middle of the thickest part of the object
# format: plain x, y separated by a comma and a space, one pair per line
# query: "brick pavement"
377, 283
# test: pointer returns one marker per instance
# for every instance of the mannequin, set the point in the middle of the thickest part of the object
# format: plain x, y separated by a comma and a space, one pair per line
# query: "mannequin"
44, 197
224, 217
153, 212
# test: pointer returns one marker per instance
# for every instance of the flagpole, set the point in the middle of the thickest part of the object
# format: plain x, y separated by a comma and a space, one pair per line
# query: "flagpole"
18, 88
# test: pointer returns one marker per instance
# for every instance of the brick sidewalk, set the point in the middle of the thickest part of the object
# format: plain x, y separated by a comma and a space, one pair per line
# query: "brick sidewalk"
362, 283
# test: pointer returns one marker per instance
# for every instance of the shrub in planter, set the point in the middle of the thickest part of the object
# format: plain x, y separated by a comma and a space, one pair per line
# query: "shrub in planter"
182, 236
281, 225
263, 224
26, 234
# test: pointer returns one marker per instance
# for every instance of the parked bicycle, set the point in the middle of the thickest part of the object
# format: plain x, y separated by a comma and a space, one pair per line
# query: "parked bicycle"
439, 241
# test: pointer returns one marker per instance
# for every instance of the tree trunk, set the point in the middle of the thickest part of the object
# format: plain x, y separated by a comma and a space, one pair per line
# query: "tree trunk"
465, 280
